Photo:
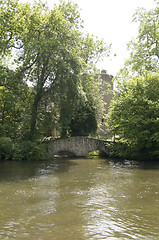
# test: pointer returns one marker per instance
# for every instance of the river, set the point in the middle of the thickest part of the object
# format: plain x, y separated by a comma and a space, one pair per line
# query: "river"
79, 199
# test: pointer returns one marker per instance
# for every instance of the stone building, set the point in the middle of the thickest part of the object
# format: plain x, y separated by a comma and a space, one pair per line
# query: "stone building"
107, 91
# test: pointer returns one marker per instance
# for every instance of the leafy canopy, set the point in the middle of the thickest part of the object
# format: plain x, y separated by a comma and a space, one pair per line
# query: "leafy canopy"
144, 50
134, 114
47, 49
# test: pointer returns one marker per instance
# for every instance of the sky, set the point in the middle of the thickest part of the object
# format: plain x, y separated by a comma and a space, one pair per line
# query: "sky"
111, 20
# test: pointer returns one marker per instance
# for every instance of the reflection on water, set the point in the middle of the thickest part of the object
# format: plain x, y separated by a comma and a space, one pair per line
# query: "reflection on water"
79, 199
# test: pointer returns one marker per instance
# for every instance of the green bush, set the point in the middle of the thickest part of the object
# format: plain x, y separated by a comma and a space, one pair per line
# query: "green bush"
28, 150
134, 115
6, 148
84, 121
2, 131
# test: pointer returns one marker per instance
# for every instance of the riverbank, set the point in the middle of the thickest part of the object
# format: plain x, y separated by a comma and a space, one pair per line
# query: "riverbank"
28, 150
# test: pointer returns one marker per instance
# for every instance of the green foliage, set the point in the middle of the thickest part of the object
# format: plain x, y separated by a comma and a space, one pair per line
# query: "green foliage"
28, 150
47, 68
47, 50
6, 148
2, 131
14, 108
134, 115
144, 51
25, 150
84, 121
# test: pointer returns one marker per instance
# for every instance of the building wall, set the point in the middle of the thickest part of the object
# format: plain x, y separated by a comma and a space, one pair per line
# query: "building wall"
107, 90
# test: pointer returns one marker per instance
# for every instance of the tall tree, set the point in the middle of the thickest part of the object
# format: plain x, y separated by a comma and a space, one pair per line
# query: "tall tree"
49, 51
144, 50
135, 110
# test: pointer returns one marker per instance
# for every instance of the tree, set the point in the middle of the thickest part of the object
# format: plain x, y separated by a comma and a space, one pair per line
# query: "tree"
48, 50
134, 115
8, 10
135, 110
84, 120
14, 92
144, 50
58, 62
15, 100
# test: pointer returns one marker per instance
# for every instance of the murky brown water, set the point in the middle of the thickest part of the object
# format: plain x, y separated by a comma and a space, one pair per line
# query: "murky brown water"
79, 199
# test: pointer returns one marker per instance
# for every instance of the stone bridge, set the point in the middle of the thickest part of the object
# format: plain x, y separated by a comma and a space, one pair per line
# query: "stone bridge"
78, 146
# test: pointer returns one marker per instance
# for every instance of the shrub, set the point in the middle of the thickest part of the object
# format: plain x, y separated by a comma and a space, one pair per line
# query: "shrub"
28, 150
84, 121
6, 148
134, 114
2, 131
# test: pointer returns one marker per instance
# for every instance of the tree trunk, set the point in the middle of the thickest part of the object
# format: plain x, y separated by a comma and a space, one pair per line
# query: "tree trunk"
34, 113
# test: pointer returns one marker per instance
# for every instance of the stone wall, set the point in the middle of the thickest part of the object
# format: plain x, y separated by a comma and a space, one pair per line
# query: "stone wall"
79, 146
107, 90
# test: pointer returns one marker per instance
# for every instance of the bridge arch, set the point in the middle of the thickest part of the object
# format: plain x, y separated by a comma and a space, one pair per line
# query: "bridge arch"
79, 146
